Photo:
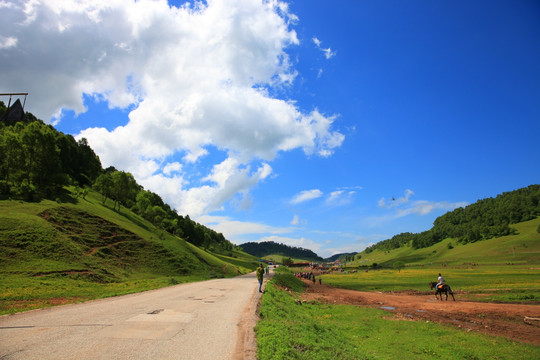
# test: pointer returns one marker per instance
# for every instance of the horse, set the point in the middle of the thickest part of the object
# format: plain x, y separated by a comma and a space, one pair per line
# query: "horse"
442, 289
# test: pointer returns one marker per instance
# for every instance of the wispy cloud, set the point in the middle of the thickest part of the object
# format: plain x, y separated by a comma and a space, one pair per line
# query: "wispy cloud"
404, 206
237, 230
328, 53
342, 196
424, 207
396, 202
306, 195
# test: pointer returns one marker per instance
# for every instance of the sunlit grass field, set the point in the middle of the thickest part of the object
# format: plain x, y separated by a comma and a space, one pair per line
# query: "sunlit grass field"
289, 330
501, 283
501, 269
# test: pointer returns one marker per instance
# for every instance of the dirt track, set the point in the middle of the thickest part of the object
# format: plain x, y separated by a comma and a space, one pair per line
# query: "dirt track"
508, 320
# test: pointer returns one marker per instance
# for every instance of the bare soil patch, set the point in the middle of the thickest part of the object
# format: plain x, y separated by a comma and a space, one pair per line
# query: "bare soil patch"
509, 320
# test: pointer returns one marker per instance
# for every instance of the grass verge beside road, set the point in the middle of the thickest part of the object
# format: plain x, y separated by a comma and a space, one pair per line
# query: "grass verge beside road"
289, 329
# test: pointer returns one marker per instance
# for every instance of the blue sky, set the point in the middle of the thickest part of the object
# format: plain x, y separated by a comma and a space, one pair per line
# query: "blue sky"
320, 124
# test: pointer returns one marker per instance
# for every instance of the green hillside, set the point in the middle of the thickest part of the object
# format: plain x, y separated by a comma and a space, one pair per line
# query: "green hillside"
54, 252
523, 247
277, 250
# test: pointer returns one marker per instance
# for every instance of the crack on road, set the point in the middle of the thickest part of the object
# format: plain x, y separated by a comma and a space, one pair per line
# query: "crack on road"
50, 326
155, 312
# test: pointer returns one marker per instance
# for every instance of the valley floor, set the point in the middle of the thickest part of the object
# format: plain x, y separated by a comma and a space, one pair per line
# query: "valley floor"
508, 320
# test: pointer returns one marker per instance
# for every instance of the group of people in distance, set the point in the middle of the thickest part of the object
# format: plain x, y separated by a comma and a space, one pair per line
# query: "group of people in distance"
308, 276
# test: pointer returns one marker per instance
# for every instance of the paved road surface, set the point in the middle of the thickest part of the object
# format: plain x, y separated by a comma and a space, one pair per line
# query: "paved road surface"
206, 320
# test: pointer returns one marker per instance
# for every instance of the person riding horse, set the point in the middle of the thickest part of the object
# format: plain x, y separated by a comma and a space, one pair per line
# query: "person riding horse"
441, 287
440, 280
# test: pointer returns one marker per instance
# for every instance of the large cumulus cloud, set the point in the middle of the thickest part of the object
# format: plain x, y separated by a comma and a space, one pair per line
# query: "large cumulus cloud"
196, 77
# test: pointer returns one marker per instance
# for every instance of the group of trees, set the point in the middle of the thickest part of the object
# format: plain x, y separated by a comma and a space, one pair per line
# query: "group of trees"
482, 220
37, 161
265, 248
123, 190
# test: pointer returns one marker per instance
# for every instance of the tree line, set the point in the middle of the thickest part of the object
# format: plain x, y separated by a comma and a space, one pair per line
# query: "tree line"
37, 161
485, 219
265, 248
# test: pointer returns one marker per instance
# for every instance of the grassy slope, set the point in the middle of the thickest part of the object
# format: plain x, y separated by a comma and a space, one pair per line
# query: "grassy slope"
87, 251
523, 248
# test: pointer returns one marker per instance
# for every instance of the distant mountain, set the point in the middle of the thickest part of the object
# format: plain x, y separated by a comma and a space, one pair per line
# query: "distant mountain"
265, 248
339, 256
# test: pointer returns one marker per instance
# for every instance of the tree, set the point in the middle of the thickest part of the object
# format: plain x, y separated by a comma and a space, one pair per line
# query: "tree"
287, 261
11, 161
104, 185
89, 163
398, 265
69, 155
124, 188
42, 161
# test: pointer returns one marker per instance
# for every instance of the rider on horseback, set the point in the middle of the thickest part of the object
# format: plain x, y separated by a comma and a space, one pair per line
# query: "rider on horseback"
440, 281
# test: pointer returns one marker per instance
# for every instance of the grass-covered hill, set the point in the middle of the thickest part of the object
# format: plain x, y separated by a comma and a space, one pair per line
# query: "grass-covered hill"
38, 162
271, 248
81, 248
483, 220
522, 247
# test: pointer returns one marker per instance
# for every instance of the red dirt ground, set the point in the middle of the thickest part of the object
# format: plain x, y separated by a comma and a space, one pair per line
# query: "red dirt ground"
508, 320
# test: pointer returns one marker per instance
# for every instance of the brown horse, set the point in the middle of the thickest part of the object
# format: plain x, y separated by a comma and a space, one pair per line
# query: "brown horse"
442, 289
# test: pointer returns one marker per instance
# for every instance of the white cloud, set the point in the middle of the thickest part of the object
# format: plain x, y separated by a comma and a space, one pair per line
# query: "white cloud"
403, 208
175, 167
7, 42
195, 77
340, 197
328, 53
424, 207
306, 195
396, 202
236, 230
295, 220
419, 207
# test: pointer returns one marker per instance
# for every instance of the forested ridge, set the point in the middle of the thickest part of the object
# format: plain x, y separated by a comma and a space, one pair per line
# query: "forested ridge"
272, 248
37, 162
485, 219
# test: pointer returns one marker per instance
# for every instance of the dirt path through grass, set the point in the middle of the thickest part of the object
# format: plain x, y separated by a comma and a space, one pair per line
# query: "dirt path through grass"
508, 320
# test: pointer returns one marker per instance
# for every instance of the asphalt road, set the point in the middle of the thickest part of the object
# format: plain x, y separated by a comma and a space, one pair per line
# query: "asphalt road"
205, 320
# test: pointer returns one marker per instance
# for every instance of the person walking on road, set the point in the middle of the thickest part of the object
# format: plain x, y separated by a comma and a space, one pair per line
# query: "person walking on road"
260, 274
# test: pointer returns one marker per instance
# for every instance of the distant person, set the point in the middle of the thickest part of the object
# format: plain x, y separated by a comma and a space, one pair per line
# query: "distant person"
440, 280
260, 275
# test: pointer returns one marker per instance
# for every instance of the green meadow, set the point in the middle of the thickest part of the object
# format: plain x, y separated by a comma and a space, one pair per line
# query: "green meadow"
500, 269
494, 283
289, 330
504, 269
75, 249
